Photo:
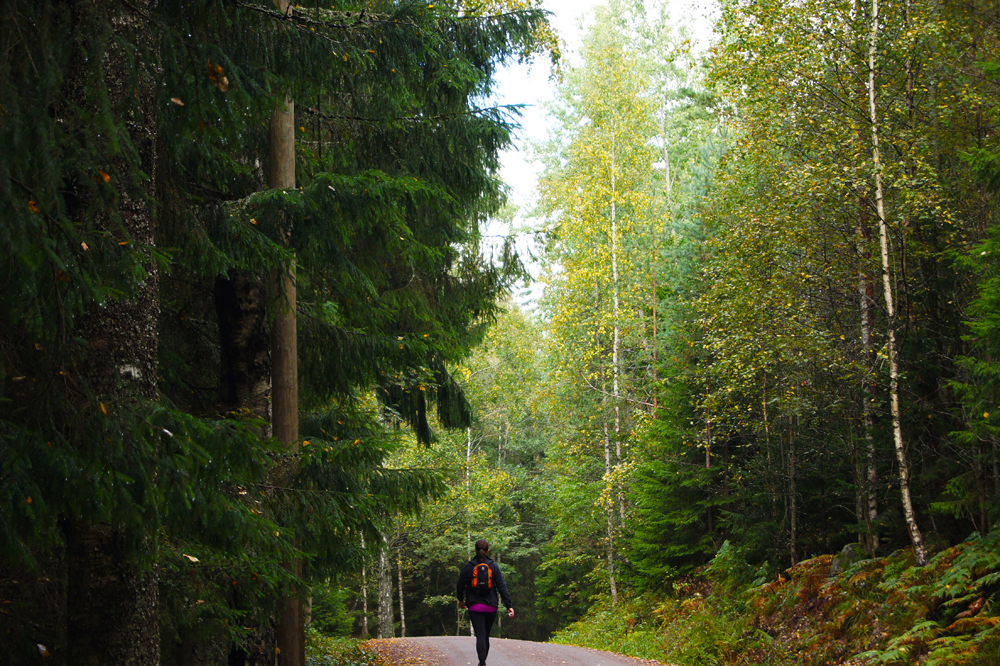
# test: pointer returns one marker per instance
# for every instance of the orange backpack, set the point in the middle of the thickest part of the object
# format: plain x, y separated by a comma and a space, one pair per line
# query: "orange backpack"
482, 579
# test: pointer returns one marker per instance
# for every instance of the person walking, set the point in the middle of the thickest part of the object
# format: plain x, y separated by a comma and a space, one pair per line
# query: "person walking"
480, 583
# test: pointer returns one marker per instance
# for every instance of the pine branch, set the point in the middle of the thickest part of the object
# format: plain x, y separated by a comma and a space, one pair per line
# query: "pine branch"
338, 20
442, 116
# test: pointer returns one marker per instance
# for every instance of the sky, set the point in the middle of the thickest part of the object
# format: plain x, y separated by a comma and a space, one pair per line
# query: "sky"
530, 86
521, 84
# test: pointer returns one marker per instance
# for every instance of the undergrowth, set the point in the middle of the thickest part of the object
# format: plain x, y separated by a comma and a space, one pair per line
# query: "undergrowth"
323, 650
879, 611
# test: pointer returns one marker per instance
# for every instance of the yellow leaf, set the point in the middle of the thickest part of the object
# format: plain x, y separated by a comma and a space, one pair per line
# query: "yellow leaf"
104, 409
104, 176
191, 557
215, 75
33, 207
177, 101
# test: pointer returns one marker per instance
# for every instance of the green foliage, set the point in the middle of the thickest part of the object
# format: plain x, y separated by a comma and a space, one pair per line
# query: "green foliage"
878, 611
166, 105
323, 650
329, 612
671, 630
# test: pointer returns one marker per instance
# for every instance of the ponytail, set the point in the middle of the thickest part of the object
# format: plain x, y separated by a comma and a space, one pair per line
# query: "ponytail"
482, 548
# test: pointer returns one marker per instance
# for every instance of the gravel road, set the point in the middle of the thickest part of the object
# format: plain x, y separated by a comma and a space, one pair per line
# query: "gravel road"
461, 651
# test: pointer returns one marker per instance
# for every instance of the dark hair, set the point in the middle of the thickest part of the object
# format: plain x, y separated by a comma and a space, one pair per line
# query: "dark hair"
482, 547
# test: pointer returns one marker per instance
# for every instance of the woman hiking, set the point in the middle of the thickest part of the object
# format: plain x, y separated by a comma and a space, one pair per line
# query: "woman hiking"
478, 585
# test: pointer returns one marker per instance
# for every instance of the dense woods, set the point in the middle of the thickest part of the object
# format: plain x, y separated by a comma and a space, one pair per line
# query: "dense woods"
263, 381
189, 190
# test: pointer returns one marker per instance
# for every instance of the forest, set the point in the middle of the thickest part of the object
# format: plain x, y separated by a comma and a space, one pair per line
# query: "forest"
265, 379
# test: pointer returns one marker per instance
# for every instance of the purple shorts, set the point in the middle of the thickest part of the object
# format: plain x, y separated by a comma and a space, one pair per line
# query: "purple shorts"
482, 608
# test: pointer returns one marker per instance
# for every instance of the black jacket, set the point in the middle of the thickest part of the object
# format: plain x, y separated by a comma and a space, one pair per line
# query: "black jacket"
468, 594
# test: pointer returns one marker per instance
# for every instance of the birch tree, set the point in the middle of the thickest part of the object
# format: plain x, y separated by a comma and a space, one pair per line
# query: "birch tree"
597, 193
916, 537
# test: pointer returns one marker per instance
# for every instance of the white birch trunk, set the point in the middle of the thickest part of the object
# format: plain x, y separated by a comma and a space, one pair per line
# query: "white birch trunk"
364, 594
611, 519
385, 615
916, 538
402, 610
616, 343
364, 602
867, 410
868, 482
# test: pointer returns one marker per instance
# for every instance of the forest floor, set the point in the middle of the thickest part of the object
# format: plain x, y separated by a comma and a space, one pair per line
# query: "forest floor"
874, 611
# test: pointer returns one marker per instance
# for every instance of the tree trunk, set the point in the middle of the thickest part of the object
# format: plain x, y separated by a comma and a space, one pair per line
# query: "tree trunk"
616, 342
767, 445
996, 468
611, 518
792, 495
385, 628
284, 371
499, 615
112, 607
916, 538
402, 610
866, 299
364, 600
868, 482
708, 465
245, 344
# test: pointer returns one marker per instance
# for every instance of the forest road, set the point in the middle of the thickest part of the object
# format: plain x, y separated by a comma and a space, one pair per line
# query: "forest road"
461, 651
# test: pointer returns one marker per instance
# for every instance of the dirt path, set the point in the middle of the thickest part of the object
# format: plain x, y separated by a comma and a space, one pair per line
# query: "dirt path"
461, 651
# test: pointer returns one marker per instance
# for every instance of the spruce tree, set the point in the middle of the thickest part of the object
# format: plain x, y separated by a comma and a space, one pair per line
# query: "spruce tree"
143, 413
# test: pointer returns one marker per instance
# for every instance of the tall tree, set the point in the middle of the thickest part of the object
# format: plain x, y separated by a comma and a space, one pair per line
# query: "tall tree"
887, 293
597, 192
384, 241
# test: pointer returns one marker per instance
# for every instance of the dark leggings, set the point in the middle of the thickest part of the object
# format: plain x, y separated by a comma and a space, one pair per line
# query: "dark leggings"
481, 624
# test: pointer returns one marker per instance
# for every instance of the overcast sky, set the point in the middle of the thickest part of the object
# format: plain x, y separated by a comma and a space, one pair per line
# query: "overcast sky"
531, 86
